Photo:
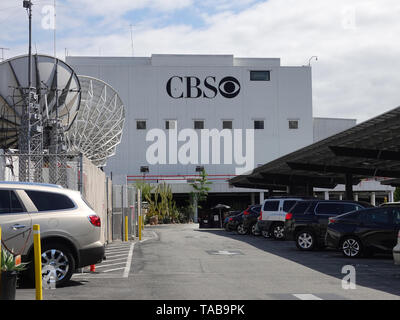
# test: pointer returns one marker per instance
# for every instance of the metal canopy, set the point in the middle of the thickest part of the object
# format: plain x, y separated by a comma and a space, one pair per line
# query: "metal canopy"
370, 149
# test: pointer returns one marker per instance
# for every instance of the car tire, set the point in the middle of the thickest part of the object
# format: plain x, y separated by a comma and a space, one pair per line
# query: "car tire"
351, 247
241, 229
253, 230
277, 231
305, 240
58, 257
265, 234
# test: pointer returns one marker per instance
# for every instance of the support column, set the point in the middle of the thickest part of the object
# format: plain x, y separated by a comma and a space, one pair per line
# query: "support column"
373, 198
262, 197
326, 195
253, 198
340, 196
391, 196
356, 197
349, 186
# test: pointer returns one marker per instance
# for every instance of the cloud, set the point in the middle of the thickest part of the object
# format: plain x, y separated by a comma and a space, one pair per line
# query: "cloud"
356, 41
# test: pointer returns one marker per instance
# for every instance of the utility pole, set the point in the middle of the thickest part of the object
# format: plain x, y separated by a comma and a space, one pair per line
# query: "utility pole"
2, 53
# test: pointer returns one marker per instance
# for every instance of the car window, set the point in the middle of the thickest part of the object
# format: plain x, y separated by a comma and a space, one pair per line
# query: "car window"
396, 216
301, 207
46, 201
377, 216
348, 207
288, 204
9, 203
332, 209
271, 206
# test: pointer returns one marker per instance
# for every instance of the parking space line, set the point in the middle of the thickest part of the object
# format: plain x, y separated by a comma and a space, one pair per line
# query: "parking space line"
110, 270
306, 296
109, 265
129, 261
111, 260
118, 255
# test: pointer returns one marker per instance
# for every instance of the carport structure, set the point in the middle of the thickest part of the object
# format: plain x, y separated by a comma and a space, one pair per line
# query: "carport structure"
368, 150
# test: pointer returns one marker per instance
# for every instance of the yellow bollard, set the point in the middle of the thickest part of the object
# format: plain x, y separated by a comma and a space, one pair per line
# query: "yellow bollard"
38, 262
126, 229
140, 228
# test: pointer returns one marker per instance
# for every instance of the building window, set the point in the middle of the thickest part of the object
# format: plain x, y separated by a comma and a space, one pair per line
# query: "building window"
227, 124
259, 124
199, 124
141, 125
170, 124
260, 76
293, 124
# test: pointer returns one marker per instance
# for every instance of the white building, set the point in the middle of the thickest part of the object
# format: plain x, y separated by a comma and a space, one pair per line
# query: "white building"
196, 92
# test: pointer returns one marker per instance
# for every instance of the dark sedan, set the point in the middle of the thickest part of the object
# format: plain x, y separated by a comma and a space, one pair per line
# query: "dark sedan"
234, 222
364, 232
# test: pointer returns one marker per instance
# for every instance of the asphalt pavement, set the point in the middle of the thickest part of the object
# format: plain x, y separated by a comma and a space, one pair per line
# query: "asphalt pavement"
183, 262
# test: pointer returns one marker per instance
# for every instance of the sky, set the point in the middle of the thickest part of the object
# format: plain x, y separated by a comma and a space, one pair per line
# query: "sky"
356, 42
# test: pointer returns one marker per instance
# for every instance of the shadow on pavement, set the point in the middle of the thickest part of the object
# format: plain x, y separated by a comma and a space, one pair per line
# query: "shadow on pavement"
377, 272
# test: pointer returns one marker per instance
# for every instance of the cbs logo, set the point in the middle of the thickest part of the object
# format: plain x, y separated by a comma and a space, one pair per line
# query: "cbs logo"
193, 88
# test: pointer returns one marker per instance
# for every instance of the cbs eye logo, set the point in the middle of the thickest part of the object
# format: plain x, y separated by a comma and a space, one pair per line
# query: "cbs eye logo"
194, 88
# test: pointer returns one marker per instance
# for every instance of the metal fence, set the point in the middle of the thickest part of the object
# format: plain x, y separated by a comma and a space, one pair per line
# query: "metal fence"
75, 172
64, 170
124, 205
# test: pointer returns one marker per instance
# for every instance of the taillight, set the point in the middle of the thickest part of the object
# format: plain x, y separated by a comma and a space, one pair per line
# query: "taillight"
260, 217
95, 220
332, 220
289, 216
230, 219
246, 212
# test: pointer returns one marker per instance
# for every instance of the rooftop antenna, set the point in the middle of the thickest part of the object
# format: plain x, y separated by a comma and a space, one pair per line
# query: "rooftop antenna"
133, 52
2, 53
313, 57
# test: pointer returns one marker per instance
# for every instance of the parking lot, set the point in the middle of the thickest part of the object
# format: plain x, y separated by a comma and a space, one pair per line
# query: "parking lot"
184, 262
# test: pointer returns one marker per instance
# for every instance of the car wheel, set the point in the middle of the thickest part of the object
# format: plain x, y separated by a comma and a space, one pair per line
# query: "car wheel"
241, 229
266, 234
57, 260
351, 247
278, 231
254, 230
305, 240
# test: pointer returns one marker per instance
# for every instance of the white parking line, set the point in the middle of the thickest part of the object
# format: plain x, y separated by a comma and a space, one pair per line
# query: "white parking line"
129, 261
105, 271
117, 251
108, 260
108, 265
118, 255
306, 296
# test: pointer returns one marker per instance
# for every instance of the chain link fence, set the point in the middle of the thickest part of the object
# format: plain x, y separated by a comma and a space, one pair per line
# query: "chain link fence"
124, 205
64, 170
75, 172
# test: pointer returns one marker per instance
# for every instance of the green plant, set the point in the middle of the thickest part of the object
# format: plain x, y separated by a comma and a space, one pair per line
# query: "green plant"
397, 194
200, 192
8, 262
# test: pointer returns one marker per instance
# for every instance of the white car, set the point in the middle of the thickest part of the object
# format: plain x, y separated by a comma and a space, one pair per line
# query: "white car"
396, 251
69, 228
273, 213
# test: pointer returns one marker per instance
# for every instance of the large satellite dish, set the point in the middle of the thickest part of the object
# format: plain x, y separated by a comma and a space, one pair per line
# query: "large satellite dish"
57, 88
99, 124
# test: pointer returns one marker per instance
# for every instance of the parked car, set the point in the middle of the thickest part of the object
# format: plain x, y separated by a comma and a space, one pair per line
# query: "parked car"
307, 221
69, 228
396, 251
364, 232
250, 217
272, 217
390, 204
235, 223
229, 215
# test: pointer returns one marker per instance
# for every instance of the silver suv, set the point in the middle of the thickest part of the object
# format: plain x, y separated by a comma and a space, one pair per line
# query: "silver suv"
70, 229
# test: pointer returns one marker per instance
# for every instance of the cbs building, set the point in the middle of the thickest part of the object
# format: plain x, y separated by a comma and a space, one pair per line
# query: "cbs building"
225, 114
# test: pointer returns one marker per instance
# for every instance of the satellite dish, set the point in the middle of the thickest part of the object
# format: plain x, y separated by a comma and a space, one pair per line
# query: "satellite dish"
99, 124
57, 88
